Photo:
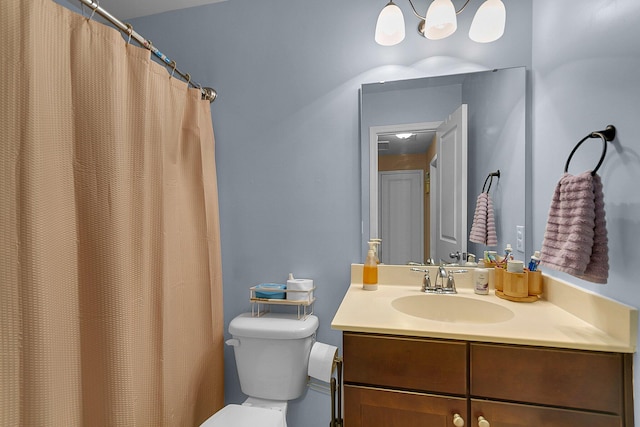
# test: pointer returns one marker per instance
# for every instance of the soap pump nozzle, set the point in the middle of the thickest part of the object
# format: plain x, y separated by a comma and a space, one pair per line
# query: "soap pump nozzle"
376, 245
372, 246
471, 261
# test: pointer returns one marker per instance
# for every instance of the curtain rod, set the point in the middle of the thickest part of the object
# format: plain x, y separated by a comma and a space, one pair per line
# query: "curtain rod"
208, 93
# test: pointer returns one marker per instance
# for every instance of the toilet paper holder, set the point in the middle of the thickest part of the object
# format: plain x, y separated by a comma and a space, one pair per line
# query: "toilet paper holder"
324, 361
336, 396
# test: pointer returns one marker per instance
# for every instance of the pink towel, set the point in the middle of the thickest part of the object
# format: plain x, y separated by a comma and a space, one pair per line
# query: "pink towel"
483, 229
575, 240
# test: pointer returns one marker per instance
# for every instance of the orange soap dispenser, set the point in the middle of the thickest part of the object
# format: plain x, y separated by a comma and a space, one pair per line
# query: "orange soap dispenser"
370, 271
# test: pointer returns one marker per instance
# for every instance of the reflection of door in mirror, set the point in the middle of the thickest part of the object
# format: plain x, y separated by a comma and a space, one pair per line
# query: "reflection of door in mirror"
399, 192
405, 202
402, 199
450, 228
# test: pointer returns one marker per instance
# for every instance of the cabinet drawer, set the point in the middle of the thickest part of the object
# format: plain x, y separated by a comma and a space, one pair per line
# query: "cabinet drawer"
371, 407
406, 363
514, 415
568, 378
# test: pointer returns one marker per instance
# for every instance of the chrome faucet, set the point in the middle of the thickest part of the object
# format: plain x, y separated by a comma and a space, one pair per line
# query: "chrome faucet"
442, 273
428, 261
426, 280
451, 283
444, 283
450, 286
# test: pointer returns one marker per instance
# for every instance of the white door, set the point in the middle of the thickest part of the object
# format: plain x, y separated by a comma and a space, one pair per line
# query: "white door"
451, 219
401, 216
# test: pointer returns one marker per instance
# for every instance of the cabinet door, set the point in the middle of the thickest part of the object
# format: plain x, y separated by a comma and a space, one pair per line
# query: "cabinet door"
373, 407
567, 378
425, 365
500, 414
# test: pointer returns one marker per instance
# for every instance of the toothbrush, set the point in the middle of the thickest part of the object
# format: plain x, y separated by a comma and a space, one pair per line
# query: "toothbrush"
507, 253
535, 261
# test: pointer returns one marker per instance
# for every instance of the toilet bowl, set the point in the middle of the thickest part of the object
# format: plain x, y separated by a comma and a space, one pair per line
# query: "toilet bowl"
247, 416
272, 358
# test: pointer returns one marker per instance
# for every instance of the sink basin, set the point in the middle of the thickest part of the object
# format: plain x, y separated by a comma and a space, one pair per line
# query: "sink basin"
452, 309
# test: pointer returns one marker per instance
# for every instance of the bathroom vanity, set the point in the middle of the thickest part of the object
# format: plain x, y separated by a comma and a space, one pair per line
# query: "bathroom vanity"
552, 363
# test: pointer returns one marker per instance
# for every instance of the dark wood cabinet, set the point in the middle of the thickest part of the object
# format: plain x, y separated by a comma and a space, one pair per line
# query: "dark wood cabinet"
375, 407
502, 414
406, 363
410, 381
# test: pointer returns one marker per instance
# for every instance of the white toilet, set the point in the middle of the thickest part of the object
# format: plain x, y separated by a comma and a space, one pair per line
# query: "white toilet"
272, 357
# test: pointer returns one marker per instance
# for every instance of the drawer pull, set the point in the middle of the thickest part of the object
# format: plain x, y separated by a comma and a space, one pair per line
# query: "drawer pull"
458, 421
482, 422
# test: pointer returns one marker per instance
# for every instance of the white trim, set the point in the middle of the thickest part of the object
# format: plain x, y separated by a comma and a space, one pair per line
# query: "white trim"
433, 212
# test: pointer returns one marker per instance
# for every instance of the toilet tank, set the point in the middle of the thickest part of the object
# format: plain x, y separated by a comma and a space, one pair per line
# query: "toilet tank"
272, 354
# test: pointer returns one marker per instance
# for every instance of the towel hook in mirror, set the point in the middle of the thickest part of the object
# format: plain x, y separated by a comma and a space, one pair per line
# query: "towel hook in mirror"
605, 135
490, 179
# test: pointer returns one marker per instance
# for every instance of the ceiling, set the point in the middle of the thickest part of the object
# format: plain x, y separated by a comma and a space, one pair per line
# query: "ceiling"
419, 142
389, 144
128, 9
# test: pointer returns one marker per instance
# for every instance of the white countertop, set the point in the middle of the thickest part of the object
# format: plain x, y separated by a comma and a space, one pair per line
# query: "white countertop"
584, 320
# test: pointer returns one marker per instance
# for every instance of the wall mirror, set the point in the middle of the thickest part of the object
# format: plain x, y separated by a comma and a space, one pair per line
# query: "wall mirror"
401, 128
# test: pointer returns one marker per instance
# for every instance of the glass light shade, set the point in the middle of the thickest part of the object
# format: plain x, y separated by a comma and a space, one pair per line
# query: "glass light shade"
441, 20
488, 23
390, 25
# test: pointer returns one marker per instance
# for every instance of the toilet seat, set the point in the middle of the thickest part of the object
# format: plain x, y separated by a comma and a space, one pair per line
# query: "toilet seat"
245, 416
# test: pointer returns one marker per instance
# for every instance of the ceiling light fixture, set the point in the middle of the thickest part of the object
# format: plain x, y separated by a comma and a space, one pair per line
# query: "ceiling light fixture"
404, 135
390, 25
440, 21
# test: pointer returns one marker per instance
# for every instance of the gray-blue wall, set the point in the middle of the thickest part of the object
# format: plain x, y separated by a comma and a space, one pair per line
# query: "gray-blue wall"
497, 141
586, 57
286, 127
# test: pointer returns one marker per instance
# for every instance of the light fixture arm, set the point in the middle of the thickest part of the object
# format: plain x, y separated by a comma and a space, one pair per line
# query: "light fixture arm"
415, 12
463, 6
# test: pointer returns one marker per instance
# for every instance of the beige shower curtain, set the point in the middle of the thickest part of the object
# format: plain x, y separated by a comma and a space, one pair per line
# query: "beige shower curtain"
110, 277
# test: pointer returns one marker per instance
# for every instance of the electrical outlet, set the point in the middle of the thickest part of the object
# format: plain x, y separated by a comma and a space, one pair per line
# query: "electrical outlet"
520, 238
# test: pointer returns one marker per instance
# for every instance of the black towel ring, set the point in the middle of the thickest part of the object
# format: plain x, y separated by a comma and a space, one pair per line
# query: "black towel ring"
605, 135
490, 179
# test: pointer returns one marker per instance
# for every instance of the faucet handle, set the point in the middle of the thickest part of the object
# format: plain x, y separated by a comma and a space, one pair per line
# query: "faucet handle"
426, 280
451, 283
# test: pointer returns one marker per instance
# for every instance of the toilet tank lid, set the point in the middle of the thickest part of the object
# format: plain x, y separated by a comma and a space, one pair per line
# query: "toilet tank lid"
273, 326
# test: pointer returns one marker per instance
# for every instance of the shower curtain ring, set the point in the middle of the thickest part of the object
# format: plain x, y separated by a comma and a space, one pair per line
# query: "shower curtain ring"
129, 31
97, 5
188, 77
173, 66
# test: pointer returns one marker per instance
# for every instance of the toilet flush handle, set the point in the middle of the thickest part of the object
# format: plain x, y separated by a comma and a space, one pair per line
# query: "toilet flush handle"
233, 342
